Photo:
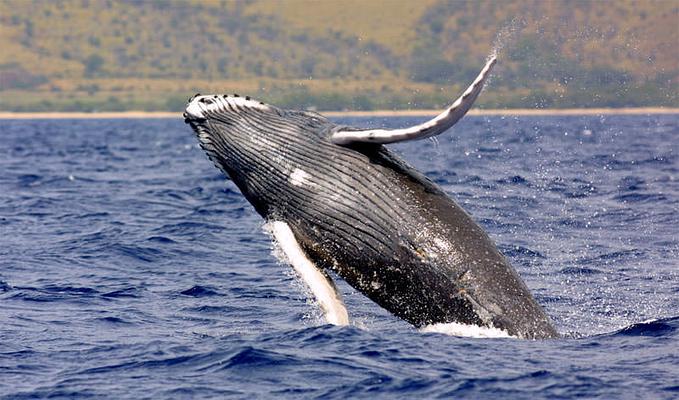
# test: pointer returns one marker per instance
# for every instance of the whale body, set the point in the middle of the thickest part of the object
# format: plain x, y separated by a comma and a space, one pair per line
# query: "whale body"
355, 208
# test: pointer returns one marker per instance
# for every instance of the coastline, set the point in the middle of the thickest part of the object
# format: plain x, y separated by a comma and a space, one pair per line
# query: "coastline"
376, 113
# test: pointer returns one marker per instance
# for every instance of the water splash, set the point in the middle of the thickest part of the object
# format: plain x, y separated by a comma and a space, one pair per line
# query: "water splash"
463, 330
507, 35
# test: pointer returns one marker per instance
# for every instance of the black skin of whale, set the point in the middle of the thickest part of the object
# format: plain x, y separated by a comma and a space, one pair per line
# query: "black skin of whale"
363, 213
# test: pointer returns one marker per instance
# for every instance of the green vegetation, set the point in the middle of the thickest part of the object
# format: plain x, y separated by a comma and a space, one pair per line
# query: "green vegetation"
105, 55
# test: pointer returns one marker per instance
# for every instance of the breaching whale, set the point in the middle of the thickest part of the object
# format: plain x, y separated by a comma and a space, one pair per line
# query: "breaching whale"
349, 205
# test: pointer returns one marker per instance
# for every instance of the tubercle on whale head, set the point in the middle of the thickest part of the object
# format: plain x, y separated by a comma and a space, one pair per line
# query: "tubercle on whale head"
199, 106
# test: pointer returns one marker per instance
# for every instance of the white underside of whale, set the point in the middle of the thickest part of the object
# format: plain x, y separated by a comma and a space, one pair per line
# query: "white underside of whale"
323, 289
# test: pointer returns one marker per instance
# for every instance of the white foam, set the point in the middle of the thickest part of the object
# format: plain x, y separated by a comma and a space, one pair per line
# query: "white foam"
463, 330
507, 34
320, 285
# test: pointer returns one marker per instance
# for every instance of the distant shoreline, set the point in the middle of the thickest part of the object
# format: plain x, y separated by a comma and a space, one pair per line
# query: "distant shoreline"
377, 113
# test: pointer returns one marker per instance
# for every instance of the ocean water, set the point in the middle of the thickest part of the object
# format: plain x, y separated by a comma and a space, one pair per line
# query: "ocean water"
131, 268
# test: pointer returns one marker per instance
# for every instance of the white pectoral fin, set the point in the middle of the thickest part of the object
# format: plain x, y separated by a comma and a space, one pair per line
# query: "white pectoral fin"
319, 283
434, 126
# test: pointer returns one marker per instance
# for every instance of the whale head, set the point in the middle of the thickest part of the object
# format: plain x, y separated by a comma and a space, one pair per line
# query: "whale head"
265, 150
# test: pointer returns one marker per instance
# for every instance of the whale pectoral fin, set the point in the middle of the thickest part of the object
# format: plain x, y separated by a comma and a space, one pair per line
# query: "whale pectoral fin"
435, 126
322, 287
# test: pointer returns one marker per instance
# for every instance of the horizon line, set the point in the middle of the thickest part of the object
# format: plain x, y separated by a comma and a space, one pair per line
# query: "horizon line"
373, 113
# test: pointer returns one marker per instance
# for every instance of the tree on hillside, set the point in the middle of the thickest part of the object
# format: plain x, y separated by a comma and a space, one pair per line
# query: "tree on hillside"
93, 65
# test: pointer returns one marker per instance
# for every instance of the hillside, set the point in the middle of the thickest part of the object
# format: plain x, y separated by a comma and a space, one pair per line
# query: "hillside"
152, 55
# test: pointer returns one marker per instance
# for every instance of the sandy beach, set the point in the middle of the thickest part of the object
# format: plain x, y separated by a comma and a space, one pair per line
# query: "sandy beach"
376, 113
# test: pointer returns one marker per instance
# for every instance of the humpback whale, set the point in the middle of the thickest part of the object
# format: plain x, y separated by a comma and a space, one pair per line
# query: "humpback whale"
349, 205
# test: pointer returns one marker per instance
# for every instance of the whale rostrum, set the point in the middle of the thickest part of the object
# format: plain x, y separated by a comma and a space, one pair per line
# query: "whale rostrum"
353, 207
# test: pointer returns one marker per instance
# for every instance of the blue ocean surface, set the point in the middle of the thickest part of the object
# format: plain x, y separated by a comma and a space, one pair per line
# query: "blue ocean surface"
130, 268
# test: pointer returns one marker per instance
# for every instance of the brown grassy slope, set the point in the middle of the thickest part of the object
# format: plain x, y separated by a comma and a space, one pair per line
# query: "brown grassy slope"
64, 54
